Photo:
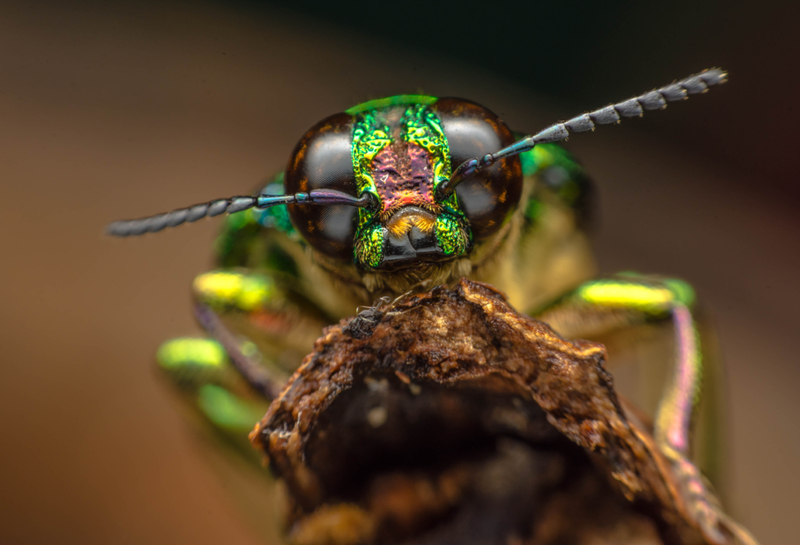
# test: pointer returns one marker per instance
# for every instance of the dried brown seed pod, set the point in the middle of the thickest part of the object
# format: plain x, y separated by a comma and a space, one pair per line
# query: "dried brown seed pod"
454, 419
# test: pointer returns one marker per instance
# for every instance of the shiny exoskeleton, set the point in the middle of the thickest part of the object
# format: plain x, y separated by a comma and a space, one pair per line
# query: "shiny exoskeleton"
403, 194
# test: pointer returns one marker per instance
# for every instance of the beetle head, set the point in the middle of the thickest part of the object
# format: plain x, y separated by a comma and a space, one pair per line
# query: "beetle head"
398, 152
382, 177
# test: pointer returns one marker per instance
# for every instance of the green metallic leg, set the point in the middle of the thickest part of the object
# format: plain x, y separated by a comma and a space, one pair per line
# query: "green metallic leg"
212, 390
601, 306
229, 379
243, 356
280, 323
223, 410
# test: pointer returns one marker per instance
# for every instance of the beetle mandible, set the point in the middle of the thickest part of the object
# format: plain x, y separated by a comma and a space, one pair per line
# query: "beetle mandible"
402, 194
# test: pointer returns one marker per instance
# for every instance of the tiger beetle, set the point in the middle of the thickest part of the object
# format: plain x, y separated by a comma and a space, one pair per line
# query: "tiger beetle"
400, 195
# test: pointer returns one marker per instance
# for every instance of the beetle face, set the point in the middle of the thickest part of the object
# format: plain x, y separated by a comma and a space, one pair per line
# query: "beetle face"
399, 150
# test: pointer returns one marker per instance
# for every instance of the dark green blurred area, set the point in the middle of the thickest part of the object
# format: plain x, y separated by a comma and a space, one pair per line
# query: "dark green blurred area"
585, 53
555, 47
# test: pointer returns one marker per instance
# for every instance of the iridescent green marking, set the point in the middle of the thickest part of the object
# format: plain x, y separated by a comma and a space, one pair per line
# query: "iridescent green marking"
190, 362
420, 126
237, 236
636, 295
533, 209
242, 233
232, 289
544, 156
370, 136
424, 128
276, 217
369, 245
653, 300
237, 222
558, 170
206, 353
228, 411
683, 292
449, 236
397, 100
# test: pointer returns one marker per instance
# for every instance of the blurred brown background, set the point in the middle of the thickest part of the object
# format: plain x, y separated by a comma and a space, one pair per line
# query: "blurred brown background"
112, 111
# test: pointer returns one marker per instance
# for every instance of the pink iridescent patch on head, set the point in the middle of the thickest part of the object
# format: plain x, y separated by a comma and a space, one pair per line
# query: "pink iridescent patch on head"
404, 179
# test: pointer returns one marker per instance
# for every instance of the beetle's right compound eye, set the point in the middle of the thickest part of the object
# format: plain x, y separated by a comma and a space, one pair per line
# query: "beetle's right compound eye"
323, 160
489, 198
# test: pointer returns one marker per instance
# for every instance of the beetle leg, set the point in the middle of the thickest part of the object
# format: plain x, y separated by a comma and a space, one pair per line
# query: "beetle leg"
261, 378
228, 380
279, 321
211, 387
601, 306
280, 326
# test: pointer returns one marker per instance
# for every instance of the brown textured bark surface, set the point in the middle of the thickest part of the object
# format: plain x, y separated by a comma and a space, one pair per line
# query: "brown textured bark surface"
486, 427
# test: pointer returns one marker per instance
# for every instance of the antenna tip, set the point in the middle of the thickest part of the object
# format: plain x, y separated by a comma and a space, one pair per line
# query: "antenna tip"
115, 229
713, 76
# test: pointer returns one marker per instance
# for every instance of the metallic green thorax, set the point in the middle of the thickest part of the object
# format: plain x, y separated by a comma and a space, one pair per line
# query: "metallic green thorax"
419, 126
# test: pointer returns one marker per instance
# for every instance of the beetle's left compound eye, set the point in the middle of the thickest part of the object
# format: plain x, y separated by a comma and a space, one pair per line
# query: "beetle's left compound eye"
323, 160
489, 197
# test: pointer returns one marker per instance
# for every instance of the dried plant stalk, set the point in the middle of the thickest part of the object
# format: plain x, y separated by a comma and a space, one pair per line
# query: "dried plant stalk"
448, 417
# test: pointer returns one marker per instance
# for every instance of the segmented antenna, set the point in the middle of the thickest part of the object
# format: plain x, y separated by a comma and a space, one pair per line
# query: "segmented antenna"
153, 224
654, 100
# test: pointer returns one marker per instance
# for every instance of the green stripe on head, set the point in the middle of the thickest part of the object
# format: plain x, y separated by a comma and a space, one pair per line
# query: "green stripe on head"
397, 100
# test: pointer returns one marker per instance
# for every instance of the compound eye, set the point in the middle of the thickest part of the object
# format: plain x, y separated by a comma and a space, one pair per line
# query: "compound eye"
490, 197
323, 160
